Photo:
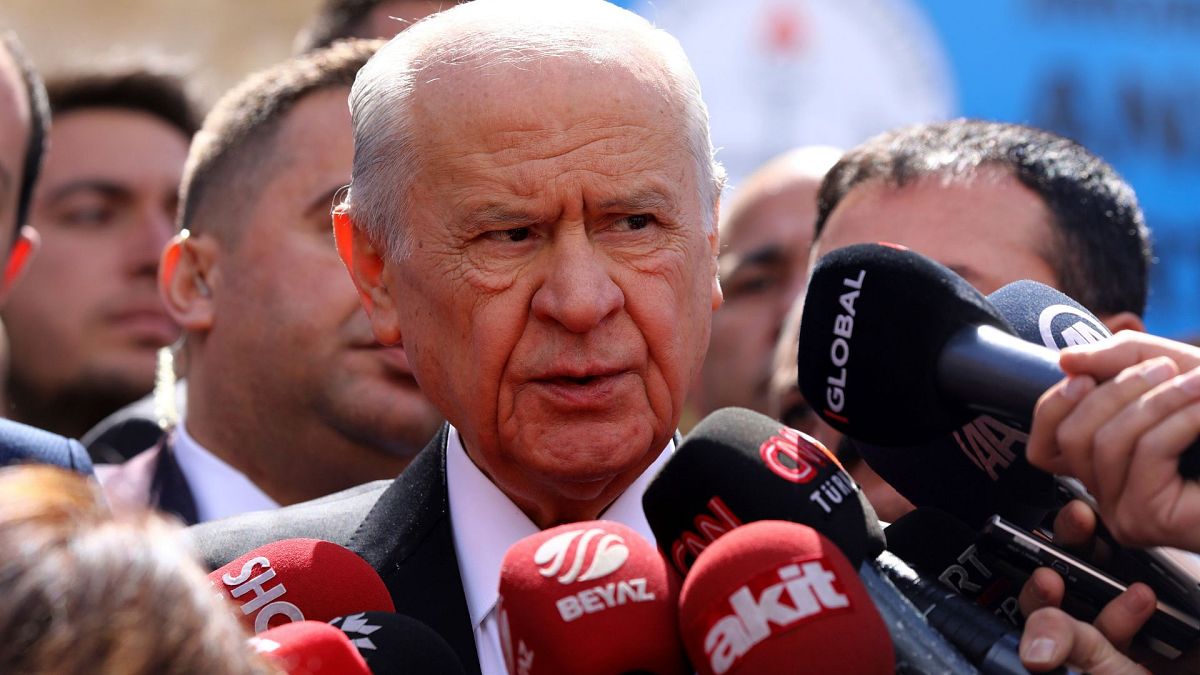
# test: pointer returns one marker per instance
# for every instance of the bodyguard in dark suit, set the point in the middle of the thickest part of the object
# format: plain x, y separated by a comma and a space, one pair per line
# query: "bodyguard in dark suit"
288, 395
532, 216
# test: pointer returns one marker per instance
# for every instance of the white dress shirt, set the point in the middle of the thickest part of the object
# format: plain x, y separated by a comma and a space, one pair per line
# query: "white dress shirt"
486, 523
219, 490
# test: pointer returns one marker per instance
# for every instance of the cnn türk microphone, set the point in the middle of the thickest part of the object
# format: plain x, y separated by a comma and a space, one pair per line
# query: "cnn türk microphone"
738, 466
395, 643
309, 648
896, 349
979, 469
777, 597
297, 580
591, 598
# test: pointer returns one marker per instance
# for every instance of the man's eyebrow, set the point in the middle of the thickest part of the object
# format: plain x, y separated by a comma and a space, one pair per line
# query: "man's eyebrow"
495, 213
771, 254
6, 182
645, 200
104, 187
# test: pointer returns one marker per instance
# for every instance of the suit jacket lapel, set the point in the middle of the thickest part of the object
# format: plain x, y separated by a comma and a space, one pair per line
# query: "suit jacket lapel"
169, 490
407, 538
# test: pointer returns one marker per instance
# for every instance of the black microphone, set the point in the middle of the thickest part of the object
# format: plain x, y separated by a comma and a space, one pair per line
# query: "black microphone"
395, 643
738, 466
896, 349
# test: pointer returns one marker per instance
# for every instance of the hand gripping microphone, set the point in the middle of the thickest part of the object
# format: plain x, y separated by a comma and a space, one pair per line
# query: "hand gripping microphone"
979, 469
297, 580
896, 349
588, 598
777, 597
309, 648
395, 643
738, 466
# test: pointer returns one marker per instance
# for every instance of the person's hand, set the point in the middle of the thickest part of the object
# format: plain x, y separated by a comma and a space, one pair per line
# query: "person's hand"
1119, 423
1053, 639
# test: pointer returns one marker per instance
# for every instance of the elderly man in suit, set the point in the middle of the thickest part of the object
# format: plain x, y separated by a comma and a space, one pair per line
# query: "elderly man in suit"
532, 216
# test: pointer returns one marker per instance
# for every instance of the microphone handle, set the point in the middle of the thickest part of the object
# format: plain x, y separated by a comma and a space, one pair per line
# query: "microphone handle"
996, 373
919, 648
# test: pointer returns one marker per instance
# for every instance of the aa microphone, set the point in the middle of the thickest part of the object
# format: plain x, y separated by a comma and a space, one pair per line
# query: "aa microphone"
979, 469
590, 598
777, 597
310, 648
298, 580
896, 349
395, 643
738, 466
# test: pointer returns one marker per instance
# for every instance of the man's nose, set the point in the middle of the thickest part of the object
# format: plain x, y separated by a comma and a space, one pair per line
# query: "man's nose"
146, 237
578, 291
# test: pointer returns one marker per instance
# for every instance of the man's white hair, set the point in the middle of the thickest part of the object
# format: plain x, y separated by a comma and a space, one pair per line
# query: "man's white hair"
483, 34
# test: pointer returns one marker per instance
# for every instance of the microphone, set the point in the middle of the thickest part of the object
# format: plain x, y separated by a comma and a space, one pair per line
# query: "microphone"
309, 648
738, 466
589, 598
775, 597
298, 580
896, 349
395, 643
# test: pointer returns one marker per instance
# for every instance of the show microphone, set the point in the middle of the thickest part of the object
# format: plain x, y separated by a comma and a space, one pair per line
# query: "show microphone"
298, 580
979, 470
589, 598
309, 648
738, 466
896, 349
777, 597
395, 643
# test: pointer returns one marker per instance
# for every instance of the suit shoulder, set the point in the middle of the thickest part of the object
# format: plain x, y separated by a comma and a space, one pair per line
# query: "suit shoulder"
25, 444
332, 518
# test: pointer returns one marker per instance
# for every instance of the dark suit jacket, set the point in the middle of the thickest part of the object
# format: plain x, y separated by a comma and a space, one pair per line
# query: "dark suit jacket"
401, 527
21, 444
151, 478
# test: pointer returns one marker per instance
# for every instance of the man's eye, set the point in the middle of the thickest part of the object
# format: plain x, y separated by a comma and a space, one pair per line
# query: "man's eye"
636, 222
514, 235
750, 284
85, 217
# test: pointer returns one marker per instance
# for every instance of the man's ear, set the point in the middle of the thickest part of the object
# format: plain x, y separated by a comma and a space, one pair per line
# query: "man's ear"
1124, 321
187, 279
22, 251
367, 268
714, 243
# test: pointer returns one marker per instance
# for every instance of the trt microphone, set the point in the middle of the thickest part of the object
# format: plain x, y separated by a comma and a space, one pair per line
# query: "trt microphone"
309, 648
738, 466
588, 598
297, 580
896, 349
395, 643
777, 597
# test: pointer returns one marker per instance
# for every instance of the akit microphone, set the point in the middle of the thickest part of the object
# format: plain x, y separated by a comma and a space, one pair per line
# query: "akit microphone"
777, 597
395, 643
309, 648
588, 598
298, 580
738, 466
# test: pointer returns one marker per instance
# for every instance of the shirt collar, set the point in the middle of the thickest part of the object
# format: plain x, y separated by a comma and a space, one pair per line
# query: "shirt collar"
486, 523
218, 489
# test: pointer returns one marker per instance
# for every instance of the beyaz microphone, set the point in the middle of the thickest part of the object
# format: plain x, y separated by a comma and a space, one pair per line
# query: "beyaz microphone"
589, 598
738, 466
777, 597
896, 349
940, 546
298, 580
395, 643
309, 648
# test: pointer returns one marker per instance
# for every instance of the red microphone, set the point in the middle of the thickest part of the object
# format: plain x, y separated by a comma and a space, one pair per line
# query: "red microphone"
300, 579
778, 597
589, 598
310, 648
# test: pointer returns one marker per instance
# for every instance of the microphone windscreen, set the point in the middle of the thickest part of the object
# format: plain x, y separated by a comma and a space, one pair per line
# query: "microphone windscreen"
588, 598
875, 320
777, 597
738, 466
395, 643
942, 547
980, 470
298, 580
309, 648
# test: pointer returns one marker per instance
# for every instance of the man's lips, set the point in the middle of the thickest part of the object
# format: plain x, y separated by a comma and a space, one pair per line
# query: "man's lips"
148, 323
582, 388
